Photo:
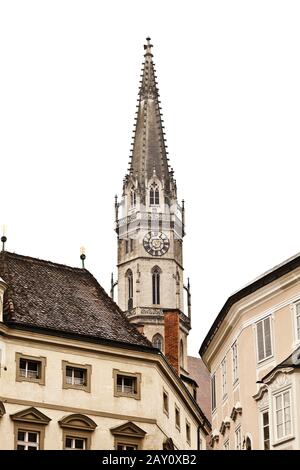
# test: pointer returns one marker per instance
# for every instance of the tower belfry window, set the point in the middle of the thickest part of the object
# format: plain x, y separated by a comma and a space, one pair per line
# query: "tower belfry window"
132, 197
154, 195
156, 285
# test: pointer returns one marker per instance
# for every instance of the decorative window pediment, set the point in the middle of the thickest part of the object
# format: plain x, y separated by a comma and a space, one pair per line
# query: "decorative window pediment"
30, 415
78, 421
128, 429
2, 409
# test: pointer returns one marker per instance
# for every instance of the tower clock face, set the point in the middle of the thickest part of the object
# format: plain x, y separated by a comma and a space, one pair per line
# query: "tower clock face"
156, 243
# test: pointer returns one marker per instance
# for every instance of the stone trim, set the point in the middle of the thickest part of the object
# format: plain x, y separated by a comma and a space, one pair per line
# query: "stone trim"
88, 370
136, 375
40, 359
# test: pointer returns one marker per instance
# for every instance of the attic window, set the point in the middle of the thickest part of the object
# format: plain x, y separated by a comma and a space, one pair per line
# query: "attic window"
127, 384
77, 376
30, 369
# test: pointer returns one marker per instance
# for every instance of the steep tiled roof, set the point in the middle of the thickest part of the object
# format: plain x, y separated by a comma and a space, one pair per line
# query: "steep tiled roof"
57, 297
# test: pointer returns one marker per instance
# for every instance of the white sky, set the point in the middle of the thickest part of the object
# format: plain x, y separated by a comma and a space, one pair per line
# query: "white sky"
229, 78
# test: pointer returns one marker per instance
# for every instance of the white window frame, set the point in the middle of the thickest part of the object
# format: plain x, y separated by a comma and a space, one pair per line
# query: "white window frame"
26, 443
73, 439
224, 377
238, 438
265, 358
285, 436
235, 370
213, 393
264, 411
226, 445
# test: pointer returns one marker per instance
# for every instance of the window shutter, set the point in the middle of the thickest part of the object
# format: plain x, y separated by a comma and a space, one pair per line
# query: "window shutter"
268, 345
260, 341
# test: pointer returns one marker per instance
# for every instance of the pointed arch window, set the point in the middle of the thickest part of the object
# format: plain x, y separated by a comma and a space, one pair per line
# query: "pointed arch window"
181, 354
157, 341
154, 195
129, 280
132, 197
156, 271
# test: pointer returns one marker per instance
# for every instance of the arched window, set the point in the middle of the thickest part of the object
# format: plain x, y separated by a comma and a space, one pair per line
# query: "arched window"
157, 341
132, 197
156, 285
181, 354
154, 195
129, 277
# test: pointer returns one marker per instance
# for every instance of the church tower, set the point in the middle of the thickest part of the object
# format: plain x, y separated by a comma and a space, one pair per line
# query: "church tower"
150, 228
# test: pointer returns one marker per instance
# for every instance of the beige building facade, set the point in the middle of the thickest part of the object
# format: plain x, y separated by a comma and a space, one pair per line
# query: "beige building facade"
252, 352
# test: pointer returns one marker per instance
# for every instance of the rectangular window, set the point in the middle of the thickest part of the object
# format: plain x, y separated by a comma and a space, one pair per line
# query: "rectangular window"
126, 246
224, 378
77, 376
131, 244
234, 362
238, 438
188, 432
166, 402
30, 368
75, 443
28, 440
213, 392
298, 320
121, 446
283, 418
264, 343
226, 445
127, 384
177, 417
266, 430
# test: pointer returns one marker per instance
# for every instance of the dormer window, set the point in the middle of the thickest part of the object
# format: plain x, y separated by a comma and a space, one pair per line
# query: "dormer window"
154, 195
132, 197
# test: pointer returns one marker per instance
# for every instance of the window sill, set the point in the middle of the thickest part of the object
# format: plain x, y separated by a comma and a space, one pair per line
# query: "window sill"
127, 395
266, 361
283, 440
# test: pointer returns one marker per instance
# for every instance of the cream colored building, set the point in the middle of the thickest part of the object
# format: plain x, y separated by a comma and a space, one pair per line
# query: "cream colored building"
76, 374
253, 353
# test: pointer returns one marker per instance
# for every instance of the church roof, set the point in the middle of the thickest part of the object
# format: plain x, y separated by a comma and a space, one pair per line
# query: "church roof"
149, 154
56, 297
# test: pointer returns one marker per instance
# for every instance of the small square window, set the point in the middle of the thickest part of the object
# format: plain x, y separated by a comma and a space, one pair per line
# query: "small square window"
126, 384
30, 369
77, 376
27, 440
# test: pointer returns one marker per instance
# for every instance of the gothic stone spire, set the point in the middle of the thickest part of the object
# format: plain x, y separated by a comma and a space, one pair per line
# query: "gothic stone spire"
149, 154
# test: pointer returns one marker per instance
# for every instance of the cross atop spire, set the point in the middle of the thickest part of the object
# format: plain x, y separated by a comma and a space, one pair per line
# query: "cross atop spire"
149, 144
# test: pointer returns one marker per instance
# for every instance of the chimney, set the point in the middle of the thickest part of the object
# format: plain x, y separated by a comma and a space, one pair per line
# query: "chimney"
3, 286
171, 322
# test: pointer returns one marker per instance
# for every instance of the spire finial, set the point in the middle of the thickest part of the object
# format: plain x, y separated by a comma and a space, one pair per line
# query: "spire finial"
148, 47
3, 238
82, 255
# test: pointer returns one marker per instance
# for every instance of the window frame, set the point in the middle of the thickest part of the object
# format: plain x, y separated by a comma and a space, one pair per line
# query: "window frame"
213, 392
235, 369
188, 432
295, 319
156, 283
76, 434
224, 377
136, 375
88, 371
285, 437
29, 427
177, 414
263, 427
238, 437
40, 359
226, 445
166, 408
262, 320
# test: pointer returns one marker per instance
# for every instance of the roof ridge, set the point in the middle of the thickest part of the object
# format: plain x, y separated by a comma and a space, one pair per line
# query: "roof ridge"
41, 260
